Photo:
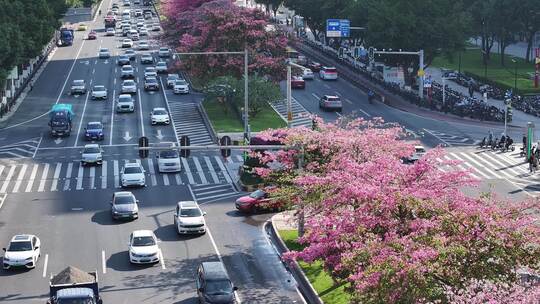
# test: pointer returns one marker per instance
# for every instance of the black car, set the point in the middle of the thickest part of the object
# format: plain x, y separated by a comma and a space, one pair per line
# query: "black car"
94, 131
123, 60
214, 285
151, 84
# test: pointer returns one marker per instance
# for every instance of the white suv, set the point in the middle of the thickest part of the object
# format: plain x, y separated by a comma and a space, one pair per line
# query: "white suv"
132, 175
188, 218
328, 73
23, 251
159, 116
143, 247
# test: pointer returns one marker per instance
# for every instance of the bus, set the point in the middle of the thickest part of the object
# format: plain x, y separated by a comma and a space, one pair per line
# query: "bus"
294, 56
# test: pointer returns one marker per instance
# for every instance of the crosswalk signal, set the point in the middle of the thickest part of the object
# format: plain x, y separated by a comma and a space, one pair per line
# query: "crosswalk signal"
184, 142
143, 143
225, 141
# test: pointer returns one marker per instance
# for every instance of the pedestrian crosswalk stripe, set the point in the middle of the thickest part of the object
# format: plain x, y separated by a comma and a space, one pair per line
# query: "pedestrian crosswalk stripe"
471, 168
41, 186
222, 168
188, 171
80, 177
152, 172
166, 179
54, 186
92, 176
492, 164
116, 174
67, 181
32, 178
200, 171
104, 175
178, 179
464, 155
211, 170
8, 179
19, 179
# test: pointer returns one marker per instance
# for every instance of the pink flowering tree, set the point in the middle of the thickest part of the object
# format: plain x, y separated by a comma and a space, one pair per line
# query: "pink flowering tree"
397, 233
171, 8
483, 291
222, 26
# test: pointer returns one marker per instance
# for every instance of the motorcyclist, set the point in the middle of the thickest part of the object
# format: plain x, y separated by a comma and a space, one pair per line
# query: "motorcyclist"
370, 95
509, 142
502, 141
99, 12
483, 142
494, 143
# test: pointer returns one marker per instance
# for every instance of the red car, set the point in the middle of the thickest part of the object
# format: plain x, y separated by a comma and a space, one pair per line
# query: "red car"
258, 201
297, 82
314, 66
92, 35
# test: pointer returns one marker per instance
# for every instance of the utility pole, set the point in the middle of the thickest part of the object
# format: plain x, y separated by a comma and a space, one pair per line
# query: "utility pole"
247, 135
289, 96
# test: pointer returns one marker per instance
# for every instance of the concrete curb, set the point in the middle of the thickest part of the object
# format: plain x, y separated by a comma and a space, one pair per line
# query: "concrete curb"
308, 292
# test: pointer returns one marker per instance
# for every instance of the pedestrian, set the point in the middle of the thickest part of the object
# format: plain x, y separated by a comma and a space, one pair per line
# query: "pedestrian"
471, 90
532, 163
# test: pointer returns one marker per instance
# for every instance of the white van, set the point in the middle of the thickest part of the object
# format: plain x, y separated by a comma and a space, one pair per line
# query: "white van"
168, 161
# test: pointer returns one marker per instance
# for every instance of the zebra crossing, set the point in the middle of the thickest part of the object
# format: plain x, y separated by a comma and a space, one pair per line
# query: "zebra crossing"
301, 116
187, 120
22, 149
25, 177
452, 139
487, 164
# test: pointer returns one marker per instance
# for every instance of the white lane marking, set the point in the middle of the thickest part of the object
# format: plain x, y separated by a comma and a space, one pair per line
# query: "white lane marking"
2, 200
199, 170
69, 73
104, 175
92, 176
54, 186
112, 116
166, 179
338, 114
37, 148
94, 70
315, 95
19, 178
365, 113
211, 169
116, 174
103, 262
337, 93
161, 259
223, 169
348, 101
140, 111
2, 169
188, 171
447, 144
80, 177
82, 117
169, 110
178, 179
152, 172
95, 17
68, 176
41, 186
8, 179
45, 265
32, 178
77, 209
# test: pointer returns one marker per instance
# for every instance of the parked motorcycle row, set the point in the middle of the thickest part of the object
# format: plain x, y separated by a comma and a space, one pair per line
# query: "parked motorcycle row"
504, 144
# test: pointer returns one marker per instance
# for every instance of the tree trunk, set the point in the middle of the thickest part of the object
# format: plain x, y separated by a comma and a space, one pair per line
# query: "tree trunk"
529, 37
301, 222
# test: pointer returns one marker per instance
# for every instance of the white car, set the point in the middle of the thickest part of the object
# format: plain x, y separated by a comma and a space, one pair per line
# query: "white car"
23, 251
132, 174
168, 161
143, 247
161, 67
125, 103
133, 35
419, 151
99, 92
110, 32
144, 46
150, 72
156, 27
127, 43
92, 154
127, 71
188, 218
328, 73
147, 59
104, 53
159, 116
129, 86
164, 52
143, 31
180, 86
307, 74
171, 78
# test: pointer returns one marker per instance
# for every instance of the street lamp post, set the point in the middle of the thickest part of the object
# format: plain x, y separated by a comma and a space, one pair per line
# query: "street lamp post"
515, 75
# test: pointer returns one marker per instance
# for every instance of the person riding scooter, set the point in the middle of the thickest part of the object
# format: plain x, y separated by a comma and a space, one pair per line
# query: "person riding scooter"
370, 95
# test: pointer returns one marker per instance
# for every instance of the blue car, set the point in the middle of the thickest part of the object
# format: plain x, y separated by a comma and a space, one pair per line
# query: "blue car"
94, 131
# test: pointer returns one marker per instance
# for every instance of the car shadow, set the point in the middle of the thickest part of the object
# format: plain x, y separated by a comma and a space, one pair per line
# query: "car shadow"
168, 233
119, 261
192, 300
103, 217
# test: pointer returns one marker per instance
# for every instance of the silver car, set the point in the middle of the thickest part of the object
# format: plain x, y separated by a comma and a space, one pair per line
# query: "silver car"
124, 205
129, 86
127, 71
92, 154
104, 53
78, 87
330, 102
125, 103
161, 67
181, 86
144, 46
150, 72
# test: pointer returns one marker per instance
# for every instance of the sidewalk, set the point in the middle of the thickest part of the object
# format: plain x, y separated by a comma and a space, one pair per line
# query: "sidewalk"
519, 118
285, 220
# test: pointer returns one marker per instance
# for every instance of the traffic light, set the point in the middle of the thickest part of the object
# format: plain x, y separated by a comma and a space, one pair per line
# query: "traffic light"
184, 142
225, 141
143, 143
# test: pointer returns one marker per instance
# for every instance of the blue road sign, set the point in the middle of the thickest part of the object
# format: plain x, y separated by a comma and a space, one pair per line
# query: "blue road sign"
337, 28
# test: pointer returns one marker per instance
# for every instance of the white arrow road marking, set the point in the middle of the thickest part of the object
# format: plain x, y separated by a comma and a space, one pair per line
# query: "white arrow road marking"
127, 137
159, 135
58, 141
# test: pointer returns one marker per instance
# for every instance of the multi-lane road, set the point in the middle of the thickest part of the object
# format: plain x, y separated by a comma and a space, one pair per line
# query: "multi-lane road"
44, 190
